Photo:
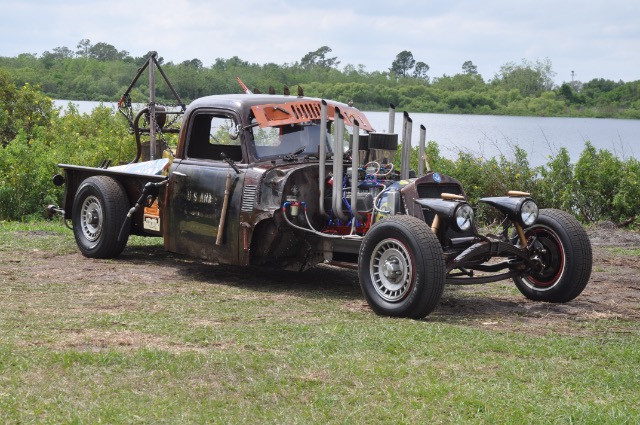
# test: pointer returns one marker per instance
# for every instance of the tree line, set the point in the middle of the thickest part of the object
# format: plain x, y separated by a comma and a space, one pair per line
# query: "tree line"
102, 72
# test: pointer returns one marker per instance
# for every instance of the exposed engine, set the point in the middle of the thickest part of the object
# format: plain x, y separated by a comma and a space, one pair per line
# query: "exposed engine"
352, 201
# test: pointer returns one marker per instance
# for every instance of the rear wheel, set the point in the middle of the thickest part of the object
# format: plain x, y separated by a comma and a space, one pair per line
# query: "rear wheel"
401, 268
99, 209
562, 247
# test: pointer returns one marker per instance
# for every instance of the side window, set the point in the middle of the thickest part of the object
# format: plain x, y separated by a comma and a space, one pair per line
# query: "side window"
213, 134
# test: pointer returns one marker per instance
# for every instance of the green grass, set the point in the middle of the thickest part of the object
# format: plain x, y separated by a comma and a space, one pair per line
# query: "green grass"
177, 346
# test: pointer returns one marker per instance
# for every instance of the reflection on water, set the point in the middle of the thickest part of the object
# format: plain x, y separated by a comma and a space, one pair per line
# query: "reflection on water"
488, 135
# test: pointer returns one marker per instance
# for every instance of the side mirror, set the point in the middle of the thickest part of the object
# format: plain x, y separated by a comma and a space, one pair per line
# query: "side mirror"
234, 131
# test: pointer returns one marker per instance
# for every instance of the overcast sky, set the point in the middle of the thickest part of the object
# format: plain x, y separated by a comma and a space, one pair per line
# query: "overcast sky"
593, 38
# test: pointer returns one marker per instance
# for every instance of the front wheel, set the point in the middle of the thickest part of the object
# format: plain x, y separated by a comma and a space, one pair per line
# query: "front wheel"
562, 248
99, 209
401, 268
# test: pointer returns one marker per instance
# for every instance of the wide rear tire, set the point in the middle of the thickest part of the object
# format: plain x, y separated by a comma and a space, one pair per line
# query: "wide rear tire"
564, 248
401, 268
99, 209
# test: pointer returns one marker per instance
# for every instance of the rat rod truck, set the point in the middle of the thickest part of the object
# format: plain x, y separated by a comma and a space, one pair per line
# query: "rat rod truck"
266, 180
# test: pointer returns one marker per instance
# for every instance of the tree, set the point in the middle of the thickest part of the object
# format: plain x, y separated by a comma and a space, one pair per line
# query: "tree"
193, 63
84, 46
469, 68
107, 52
219, 65
601, 85
235, 61
421, 70
21, 109
57, 54
566, 91
140, 60
530, 78
403, 63
319, 58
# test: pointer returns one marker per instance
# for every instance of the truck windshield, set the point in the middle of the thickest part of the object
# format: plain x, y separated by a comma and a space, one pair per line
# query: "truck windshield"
302, 139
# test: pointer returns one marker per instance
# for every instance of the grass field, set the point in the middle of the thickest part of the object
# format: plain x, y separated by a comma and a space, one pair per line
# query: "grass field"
156, 338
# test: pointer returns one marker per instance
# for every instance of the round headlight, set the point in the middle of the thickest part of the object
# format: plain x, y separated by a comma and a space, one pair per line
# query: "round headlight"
528, 212
463, 217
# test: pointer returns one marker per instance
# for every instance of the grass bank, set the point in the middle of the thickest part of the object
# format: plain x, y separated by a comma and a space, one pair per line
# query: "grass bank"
155, 338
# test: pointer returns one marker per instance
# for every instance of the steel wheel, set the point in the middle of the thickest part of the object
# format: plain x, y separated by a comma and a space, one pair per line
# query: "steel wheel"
99, 210
91, 218
391, 270
401, 267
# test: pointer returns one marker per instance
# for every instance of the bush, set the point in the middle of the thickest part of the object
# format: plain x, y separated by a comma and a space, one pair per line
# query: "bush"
30, 159
556, 187
598, 187
597, 180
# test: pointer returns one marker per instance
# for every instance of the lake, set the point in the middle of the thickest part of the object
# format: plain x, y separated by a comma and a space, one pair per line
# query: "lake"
490, 135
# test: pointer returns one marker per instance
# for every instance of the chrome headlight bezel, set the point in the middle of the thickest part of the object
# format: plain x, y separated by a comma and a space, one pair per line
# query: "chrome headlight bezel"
528, 212
521, 210
451, 210
463, 217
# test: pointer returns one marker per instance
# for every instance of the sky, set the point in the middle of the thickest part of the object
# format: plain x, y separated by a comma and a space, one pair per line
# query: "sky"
591, 38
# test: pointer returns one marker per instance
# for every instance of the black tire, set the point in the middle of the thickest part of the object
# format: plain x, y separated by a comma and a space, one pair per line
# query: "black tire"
99, 209
565, 250
408, 248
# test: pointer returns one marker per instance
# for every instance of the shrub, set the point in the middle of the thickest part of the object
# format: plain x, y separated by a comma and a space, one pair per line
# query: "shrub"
597, 180
31, 158
556, 187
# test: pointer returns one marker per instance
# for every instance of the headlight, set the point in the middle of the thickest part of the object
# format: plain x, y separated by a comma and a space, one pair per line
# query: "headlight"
518, 209
528, 212
463, 217
458, 215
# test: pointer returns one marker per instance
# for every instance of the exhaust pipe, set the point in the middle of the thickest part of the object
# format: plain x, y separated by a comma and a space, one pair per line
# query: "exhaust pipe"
355, 164
392, 117
322, 154
406, 146
421, 157
338, 172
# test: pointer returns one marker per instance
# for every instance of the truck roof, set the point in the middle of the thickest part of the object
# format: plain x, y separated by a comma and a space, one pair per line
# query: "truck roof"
244, 103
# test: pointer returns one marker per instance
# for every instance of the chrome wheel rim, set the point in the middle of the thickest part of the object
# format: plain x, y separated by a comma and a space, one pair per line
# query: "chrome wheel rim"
391, 270
91, 218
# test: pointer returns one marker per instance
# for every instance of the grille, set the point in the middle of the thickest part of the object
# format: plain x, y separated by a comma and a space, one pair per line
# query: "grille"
435, 190
310, 111
248, 197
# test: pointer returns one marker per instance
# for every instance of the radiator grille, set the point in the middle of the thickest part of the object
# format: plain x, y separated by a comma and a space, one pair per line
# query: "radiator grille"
435, 190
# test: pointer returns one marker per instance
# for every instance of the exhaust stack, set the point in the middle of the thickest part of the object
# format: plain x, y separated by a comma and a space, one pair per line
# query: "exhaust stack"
355, 164
421, 158
406, 146
338, 171
392, 117
322, 154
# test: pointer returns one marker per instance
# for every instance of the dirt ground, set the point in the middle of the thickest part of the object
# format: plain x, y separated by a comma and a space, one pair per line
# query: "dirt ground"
612, 294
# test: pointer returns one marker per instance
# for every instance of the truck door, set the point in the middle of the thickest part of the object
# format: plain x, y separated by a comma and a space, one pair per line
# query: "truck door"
196, 189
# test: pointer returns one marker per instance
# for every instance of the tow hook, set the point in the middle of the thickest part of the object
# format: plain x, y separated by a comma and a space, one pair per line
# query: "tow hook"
52, 210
